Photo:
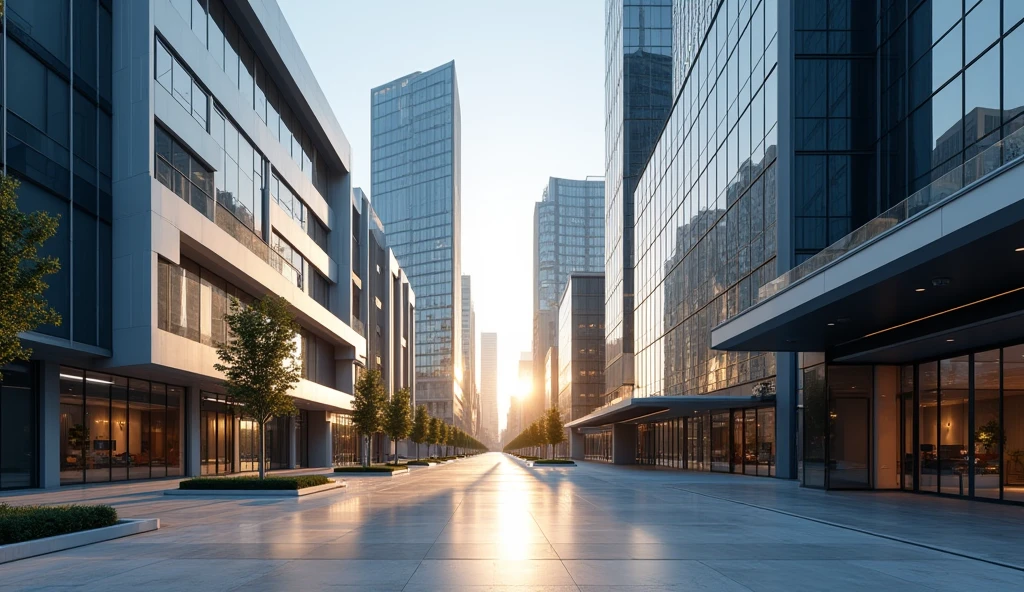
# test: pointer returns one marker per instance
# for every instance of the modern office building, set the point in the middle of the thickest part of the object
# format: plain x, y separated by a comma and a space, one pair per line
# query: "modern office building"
382, 295
514, 417
415, 168
551, 378
638, 98
568, 236
489, 389
863, 156
581, 346
193, 159
469, 389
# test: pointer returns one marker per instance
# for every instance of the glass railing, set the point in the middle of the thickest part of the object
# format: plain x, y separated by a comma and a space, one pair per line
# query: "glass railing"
250, 240
996, 156
359, 326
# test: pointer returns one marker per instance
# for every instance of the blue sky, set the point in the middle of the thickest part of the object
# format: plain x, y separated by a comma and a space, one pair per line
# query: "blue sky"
531, 85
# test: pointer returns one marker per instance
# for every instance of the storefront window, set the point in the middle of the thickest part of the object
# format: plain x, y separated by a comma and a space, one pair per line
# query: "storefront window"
988, 433
928, 426
907, 457
954, 460
114, 428
814, 425
216, 434
720, 442
766, 442
1013, 416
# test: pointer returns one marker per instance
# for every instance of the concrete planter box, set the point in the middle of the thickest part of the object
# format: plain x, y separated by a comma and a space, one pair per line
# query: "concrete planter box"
533, 464
123, 528
257, 492
376, 474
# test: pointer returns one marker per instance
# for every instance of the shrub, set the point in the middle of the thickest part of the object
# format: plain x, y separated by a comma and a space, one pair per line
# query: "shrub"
372, 469
418, 463
254, 483
26, 523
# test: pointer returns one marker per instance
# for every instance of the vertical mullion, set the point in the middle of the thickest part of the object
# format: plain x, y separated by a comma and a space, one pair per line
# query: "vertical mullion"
971, 425
1002, 426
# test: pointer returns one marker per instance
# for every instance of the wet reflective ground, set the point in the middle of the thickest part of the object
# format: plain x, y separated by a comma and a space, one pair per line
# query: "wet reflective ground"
488, 523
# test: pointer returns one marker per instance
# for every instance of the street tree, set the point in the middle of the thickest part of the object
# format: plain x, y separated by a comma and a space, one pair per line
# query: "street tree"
420, 428
435, 433
398, 418
368, 403
259, 362
23, 272
554, 430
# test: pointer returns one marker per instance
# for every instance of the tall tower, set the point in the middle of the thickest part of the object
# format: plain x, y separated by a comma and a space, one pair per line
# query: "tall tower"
568, 237
489, 388
638, 99
469, 358
415, 183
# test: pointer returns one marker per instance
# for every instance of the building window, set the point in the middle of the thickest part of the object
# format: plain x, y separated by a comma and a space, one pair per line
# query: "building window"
240, 184
114, 428
180, 171
292, 258
19, 437
171, 74
320, 289
298, 211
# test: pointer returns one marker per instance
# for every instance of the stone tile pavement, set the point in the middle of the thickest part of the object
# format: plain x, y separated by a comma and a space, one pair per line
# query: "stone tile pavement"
490, 524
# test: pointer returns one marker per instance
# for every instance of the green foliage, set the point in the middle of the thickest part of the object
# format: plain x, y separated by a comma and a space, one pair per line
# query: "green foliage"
398, 417
254, 483
368, 403
258, 362
27, 523
420, 425
434, 435
553, 428
23, 272
372, 469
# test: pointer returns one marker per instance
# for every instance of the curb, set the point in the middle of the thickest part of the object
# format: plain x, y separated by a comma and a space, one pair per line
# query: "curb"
123, 528
258, 492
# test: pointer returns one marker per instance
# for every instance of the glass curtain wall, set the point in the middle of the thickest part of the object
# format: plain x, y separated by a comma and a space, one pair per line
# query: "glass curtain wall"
19, 438
114, 428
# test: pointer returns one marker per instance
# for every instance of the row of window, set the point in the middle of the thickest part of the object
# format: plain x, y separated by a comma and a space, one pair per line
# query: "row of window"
217, 31
175, 78
183, 174
297, 210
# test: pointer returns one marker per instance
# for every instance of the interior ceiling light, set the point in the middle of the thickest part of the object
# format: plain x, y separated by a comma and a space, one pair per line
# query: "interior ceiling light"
950, 340
919, 290
1019, 249
831, 324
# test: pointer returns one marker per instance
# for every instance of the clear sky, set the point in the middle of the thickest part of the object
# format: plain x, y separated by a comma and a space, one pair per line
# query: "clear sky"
531, 85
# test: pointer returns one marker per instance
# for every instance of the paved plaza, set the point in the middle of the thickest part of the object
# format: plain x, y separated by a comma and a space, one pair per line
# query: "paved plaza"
489, 523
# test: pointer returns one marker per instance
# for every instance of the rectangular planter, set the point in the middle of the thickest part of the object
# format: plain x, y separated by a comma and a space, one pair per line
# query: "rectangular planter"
377, 474
257, 492
123, 528
533, 465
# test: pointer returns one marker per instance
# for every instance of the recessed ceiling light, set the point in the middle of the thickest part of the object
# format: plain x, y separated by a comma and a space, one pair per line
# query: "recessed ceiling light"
831, 324
919, 290
950, 340
1019, 250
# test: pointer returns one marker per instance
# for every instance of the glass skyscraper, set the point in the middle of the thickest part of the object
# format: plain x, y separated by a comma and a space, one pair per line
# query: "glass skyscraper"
568, 237
415, 180
638, 98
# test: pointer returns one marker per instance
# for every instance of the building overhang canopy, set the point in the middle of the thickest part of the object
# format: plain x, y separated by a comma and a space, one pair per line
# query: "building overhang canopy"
639, 409
947, 280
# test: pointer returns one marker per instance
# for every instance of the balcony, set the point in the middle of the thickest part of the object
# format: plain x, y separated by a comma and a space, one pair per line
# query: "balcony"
359, 326
355, 255
250, 240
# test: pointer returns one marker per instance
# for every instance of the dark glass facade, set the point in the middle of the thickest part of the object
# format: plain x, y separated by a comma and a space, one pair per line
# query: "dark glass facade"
736, 441
415, 184
581, 346
19, 411
57, 113
638, 99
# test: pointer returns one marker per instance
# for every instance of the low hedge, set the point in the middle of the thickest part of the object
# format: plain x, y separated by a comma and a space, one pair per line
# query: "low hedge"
557, 461
372, 469
254, 483
26, 523
418, 463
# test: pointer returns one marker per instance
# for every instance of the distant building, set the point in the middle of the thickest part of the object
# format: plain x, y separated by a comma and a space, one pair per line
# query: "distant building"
469, 390
489, 388
415, 170
581, 346
568, 236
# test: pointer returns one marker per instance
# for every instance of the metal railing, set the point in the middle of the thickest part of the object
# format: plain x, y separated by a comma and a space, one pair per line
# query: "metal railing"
993, 158
359, 326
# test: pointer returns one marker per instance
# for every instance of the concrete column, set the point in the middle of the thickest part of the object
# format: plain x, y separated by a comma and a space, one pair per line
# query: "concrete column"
576, 443
319, 437
49, 425
624, 444
192, 430
785, 416
886, 428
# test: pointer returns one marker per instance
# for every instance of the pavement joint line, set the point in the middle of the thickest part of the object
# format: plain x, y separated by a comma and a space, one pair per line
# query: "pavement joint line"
856, 529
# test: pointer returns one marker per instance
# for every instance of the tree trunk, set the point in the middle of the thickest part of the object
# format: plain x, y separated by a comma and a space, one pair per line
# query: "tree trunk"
261, 457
